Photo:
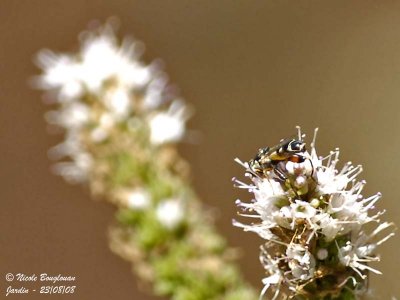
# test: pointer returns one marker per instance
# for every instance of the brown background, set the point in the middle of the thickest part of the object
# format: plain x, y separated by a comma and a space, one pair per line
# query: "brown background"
252, 69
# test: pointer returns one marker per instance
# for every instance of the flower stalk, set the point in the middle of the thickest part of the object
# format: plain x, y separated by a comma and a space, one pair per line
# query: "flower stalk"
313, 218
122, 124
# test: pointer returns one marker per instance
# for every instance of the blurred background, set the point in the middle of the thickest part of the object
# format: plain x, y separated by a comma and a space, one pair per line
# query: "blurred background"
252, 70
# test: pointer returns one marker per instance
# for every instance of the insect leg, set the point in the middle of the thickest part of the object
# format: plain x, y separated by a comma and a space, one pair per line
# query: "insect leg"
280, 174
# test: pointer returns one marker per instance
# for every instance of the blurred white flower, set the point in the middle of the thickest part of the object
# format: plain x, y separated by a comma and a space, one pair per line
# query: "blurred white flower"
118, 103
137, 198
118, 63
61, 72
77, 170
102, 131
72, 116
169, 126
170, 213
154, 96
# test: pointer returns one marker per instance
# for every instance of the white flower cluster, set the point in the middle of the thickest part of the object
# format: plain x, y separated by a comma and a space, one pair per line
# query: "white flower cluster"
98, 88
313, 221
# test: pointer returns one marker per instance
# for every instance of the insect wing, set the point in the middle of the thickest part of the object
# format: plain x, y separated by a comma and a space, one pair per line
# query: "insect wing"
280, 145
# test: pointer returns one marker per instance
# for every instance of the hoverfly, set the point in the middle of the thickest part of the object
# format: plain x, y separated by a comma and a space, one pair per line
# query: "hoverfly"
267, 159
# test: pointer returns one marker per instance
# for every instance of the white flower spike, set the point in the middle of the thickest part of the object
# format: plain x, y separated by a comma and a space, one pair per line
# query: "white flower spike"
122, 122
312, 216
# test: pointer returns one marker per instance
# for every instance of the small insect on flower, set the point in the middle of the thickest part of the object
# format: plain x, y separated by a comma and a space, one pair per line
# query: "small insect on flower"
267, 159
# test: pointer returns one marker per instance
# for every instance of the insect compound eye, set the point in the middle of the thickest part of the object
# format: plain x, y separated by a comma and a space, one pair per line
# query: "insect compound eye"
296, 146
